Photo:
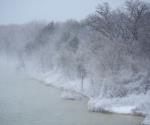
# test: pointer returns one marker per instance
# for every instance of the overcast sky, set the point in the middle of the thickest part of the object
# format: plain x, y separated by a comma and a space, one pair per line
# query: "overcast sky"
23, 11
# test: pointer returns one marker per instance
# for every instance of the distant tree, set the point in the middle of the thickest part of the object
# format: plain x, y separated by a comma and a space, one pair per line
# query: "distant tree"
74, 44
136, 11
101, 21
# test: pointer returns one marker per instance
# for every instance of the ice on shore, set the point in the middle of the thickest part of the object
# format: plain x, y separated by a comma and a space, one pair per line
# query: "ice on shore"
71, 95
133, 104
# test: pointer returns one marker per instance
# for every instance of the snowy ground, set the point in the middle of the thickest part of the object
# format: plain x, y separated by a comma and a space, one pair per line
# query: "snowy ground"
71, 95
133, 104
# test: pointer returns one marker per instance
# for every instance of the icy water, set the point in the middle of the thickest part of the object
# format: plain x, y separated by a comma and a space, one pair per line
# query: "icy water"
24, 101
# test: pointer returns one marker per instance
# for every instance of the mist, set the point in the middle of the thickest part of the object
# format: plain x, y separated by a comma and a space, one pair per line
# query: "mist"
104, 56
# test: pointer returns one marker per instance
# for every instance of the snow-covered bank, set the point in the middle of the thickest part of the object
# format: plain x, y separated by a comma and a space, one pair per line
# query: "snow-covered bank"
71, 95
133, 104
56, 79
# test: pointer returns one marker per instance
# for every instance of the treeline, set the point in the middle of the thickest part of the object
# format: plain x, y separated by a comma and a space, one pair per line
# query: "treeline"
109, 50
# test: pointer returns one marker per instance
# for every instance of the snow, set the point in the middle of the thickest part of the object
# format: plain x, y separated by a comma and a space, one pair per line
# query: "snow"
109, 105
71, 95
123, 109
133, 104
56, 79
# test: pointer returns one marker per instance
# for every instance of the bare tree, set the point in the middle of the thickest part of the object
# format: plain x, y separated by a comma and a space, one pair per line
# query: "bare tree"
101, 21
136, 11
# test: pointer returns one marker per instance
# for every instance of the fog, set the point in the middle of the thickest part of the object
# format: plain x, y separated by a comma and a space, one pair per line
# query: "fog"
104, 56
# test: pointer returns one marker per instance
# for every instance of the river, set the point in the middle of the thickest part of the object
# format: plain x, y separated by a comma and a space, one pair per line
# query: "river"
24, 101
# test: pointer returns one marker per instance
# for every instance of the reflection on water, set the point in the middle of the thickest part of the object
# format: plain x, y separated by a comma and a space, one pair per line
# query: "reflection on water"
26, 102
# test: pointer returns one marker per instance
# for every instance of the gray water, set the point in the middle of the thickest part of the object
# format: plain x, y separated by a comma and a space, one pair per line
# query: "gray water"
25, 101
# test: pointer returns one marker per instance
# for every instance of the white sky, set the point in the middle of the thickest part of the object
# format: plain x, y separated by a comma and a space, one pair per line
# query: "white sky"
22, 11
